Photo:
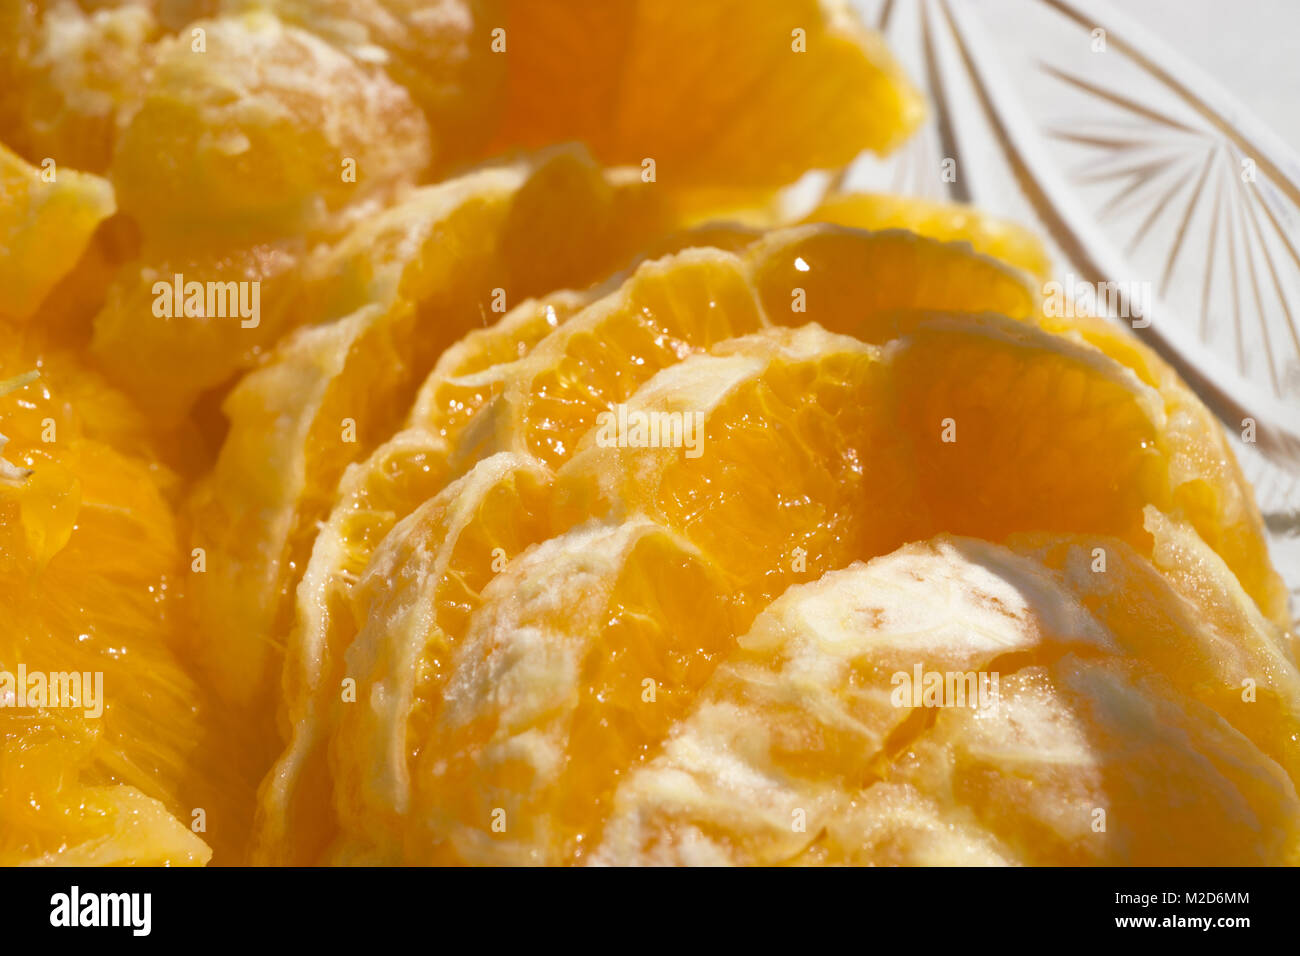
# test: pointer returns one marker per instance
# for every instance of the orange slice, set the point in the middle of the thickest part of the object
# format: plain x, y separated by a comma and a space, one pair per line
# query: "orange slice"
544, 709
792, 86
1017, 430
89, 566
263, 132
416, 599
47, 217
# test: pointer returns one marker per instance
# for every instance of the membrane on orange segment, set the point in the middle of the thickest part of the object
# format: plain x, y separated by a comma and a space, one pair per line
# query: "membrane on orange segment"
801, 720
1100, 762
997, 238
548, 699
415, 601
1205, 635
251, 136
792, 86
329, 393
815, 742
89, 561
47, 216
1185, 558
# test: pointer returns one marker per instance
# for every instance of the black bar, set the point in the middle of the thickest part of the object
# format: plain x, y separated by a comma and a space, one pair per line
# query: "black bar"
580, 907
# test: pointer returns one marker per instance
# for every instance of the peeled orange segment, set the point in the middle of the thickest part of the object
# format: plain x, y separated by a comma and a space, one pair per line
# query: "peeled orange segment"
805, 715
772, 456
895, 824
89, 562
792, 86
999, 239
575, 221
1189, 563
1061, 437
254, 135
1097, 762
64, 72
44, 228
295, 425
667, 310
166, 348
1204, 634
410, 604
440, 52
401, 474
419, 279
1210, 490
582, 655
951, 702
1017, 430
413, 604
855, 282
